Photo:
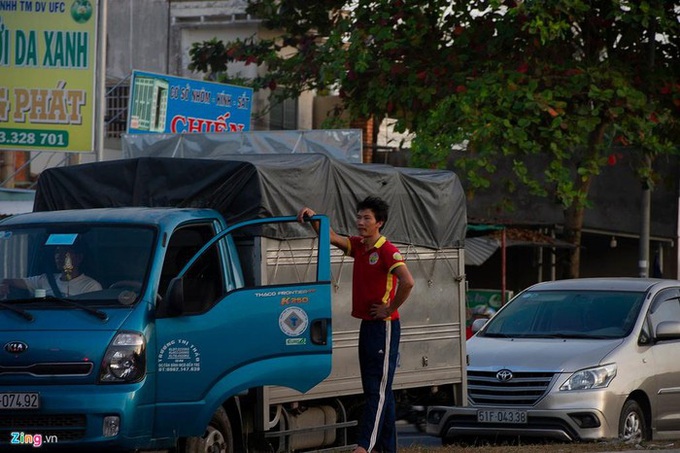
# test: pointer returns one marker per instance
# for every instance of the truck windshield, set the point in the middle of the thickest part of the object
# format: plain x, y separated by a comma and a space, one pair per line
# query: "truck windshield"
567, 314
92, 264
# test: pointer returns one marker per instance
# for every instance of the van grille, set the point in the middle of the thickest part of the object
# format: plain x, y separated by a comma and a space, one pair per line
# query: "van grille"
524, 389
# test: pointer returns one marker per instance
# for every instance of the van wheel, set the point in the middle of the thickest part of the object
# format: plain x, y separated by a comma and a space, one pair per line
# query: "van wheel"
218, 437
632, 424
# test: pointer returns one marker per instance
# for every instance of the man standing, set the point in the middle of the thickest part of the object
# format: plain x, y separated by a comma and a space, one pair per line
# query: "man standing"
381, 283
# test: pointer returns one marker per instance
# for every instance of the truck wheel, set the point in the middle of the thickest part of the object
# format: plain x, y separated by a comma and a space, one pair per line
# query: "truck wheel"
218, 437
632, 424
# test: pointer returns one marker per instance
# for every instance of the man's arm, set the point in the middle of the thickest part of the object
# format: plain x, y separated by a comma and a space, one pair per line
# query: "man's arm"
405, 285
15, 282
337, 240
11, 282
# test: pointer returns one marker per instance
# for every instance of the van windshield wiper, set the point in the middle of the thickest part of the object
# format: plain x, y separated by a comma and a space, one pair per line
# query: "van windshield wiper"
575, 335
26, 315
93, 311
497, 335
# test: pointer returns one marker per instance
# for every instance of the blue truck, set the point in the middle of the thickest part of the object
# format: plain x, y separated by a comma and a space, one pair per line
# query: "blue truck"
218, 322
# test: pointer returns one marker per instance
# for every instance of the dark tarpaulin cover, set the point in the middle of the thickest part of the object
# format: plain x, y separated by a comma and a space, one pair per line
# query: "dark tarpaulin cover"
427, 207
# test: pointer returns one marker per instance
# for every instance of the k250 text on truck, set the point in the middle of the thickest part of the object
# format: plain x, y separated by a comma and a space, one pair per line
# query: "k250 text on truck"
580, 359
221, 324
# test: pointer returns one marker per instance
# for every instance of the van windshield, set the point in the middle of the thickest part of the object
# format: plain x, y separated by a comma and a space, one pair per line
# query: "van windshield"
567, 314
92, 264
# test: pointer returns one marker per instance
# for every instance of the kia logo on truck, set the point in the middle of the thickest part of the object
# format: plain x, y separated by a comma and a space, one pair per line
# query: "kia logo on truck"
16, 347
504, 375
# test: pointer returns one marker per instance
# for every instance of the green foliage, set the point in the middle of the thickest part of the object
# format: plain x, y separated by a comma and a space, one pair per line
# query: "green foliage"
549, 87
559, 84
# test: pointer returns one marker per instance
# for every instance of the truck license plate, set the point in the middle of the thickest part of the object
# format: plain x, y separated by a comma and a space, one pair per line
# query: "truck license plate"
16, 400
501, 416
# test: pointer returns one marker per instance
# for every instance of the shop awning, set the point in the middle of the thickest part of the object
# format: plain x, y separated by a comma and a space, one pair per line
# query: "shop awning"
480, 248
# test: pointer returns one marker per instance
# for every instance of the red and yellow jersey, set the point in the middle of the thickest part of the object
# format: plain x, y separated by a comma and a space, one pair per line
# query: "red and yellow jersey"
373, 281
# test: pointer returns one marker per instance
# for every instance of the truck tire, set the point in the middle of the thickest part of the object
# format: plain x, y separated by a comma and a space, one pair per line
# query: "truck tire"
632, 424
218, 436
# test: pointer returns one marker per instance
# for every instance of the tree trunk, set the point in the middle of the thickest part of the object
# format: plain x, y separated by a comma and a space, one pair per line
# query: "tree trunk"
574, 214
573, 225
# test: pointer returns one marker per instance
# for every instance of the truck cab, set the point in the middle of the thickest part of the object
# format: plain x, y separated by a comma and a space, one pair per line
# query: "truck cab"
181, 324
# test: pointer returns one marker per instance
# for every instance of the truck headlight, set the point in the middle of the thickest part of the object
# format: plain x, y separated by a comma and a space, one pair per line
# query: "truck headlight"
125, 359
591, 378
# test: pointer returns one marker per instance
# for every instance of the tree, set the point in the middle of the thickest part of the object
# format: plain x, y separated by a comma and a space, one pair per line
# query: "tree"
551, 87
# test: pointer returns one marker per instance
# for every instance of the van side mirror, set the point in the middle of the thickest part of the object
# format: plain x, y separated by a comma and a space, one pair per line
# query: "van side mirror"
477, 324
668, 330
174, 297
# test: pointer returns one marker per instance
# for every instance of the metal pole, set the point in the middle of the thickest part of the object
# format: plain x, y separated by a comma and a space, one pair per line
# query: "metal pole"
504, 265
101, 81
7, 170
645, 211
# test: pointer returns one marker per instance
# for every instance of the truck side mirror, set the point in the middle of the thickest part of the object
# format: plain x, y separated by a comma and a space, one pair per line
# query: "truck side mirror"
174, 297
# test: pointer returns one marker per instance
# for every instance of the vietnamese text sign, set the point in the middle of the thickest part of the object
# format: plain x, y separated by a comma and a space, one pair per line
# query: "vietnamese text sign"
166, 104
47, 74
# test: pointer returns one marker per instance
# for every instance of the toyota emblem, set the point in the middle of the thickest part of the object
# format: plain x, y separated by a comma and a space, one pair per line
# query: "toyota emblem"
504, 375
16, 347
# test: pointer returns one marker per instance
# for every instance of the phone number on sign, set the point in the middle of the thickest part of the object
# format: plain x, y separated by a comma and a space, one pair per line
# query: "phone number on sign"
18, 137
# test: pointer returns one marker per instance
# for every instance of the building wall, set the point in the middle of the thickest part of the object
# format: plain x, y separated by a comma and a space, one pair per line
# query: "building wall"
137, 37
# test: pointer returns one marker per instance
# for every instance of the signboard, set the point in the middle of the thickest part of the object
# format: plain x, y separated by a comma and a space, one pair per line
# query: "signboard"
166, 104
47, 74
483, 303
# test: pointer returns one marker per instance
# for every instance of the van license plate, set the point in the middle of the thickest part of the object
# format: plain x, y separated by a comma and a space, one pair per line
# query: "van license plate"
16, 400
501, 416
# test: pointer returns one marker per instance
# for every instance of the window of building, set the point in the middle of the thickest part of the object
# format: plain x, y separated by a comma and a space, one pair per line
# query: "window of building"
283, 116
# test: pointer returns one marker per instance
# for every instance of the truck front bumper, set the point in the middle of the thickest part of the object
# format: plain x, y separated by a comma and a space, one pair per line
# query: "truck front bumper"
97, 417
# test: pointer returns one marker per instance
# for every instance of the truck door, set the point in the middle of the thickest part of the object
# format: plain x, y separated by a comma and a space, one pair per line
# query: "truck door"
232, 330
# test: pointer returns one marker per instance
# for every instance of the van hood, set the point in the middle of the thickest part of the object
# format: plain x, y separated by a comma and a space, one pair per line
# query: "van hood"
532, 354
59, 346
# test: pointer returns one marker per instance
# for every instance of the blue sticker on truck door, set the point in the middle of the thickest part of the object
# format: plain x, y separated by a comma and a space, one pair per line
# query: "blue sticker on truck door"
293, 321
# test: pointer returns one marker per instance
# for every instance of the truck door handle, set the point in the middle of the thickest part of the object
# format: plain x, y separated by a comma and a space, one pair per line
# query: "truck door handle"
319, 331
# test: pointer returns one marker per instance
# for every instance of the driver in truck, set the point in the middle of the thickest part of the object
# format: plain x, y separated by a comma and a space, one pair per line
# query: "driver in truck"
69, 281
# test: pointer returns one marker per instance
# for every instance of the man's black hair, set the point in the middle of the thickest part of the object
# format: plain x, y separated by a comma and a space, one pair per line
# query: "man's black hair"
377, 205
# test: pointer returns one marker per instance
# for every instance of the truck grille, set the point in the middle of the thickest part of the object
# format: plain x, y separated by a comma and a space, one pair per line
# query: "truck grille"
523, 389
66, 427
50, 369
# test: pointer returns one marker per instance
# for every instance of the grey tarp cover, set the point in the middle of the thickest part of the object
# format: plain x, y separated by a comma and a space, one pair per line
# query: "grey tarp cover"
342, 144
427, 207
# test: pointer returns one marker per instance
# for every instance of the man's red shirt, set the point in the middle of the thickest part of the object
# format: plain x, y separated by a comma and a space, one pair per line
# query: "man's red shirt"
373, 281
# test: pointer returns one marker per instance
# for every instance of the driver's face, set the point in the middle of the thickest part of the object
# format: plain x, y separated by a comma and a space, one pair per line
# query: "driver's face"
60, 257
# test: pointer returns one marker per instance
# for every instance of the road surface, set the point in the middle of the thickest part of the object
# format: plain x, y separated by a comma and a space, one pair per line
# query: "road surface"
409, 436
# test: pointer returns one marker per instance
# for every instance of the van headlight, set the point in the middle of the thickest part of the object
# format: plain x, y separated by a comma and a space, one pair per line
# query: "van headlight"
125, 359
591, 378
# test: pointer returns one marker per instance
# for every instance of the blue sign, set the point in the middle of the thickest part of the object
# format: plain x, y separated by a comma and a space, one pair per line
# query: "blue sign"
166, 104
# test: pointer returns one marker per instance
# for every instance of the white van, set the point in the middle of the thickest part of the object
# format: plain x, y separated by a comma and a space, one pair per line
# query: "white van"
578, 359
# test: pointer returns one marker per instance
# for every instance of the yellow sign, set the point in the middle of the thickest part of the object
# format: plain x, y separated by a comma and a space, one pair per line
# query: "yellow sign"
47, 74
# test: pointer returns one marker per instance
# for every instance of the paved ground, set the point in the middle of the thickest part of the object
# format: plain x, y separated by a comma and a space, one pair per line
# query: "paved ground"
409, 436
